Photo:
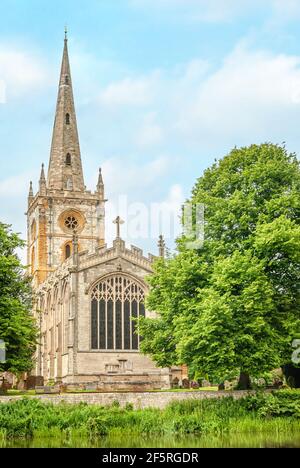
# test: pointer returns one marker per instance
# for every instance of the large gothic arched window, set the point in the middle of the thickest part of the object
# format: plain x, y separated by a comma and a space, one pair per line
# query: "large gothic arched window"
115, 302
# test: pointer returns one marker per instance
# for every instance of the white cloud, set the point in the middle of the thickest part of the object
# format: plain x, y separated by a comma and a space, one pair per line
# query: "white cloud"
245, 96
124, 177
2, 92
253, 95
20, 71
16, 186
218, 11
13, 195
138, 91
286, 9
212, 11
150, 133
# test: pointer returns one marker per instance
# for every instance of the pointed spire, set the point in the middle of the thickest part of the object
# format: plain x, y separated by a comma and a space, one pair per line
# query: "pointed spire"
43, 184
162, 246
65, 167
100, 185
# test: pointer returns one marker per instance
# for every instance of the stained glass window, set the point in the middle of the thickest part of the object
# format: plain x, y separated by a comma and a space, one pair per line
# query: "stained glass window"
120, 301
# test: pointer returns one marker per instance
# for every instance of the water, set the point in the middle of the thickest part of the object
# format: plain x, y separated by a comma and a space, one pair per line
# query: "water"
258, 440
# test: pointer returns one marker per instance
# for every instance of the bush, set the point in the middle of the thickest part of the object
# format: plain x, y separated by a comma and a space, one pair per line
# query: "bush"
129, 407
97, 427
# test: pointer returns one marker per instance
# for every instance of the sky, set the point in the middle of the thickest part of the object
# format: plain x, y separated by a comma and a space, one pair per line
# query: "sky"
162, 89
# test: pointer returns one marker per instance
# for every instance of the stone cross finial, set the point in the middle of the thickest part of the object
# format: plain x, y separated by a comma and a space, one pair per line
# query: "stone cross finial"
118, 221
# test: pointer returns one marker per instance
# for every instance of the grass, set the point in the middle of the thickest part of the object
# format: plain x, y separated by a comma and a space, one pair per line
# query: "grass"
20, 392
277, 413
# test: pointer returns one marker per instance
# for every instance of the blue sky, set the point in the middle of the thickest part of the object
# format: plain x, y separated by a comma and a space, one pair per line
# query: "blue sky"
162, 88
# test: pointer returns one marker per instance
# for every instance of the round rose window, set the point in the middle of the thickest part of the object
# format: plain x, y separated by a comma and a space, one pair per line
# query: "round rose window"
71, 223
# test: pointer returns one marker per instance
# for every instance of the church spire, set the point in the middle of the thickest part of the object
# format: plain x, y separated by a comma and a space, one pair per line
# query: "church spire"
65, 168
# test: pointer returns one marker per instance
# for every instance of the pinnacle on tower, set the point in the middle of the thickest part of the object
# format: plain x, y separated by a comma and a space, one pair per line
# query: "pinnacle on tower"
65, 168
43, 184
30, 194
42, 177
100, 185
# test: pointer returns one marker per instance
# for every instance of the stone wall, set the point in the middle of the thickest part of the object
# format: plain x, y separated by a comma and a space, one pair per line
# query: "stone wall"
138, 400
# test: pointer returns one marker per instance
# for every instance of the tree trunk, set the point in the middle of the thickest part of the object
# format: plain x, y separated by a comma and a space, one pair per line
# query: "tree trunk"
244, 381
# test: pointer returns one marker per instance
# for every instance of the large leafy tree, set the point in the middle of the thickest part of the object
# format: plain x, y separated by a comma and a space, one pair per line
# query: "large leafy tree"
17, 326
233, 306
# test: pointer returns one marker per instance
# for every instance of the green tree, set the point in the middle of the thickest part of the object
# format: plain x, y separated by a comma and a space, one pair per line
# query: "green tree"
17, 326
233, 306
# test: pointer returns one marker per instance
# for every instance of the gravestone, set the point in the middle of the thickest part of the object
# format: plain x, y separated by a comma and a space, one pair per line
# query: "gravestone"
186, 383
33, 381
48, 390
51, 390
175, 383
195, 384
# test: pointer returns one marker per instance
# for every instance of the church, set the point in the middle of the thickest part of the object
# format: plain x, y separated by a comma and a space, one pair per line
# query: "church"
87, 295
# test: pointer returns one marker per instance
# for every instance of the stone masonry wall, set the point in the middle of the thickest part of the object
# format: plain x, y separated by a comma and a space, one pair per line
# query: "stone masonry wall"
138, 400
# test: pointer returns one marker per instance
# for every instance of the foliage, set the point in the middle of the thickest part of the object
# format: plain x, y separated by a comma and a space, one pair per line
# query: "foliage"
260, 412
233, 306
17, 326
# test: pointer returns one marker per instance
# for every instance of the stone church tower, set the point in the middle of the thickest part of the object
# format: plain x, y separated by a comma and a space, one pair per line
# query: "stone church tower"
62, 204
87, 295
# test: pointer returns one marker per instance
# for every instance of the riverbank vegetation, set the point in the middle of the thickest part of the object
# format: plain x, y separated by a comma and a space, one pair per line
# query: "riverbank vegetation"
277, 413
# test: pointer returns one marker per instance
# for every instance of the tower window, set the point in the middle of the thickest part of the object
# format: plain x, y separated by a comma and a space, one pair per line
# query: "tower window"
68, 251
71, 222
68, 160
66, 79
67, 119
